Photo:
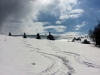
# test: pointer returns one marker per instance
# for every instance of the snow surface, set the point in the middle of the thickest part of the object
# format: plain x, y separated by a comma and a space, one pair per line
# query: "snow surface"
19, 56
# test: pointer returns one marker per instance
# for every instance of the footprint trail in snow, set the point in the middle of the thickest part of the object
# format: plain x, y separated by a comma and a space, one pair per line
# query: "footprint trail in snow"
62, 62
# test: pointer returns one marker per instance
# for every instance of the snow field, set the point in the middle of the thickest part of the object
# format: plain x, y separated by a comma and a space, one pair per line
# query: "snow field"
30, 56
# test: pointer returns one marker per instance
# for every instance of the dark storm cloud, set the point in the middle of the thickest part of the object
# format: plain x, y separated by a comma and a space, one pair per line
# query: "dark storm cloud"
11, 8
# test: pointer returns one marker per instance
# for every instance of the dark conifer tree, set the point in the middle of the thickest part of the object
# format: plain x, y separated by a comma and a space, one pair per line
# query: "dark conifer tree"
95, 34
10, 34
38, 36
24, 36
50, 37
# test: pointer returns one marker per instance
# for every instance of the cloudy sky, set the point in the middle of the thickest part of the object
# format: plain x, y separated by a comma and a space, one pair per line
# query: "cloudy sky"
43, 16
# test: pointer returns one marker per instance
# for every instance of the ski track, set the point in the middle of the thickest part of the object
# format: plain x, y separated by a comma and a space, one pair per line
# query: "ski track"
77, 57
55, 68
60, 66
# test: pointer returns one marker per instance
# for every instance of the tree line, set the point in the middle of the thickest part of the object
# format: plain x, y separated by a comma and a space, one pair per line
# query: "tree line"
49, 37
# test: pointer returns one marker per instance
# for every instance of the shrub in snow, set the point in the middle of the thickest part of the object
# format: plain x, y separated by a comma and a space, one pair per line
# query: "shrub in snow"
9, 33
38, 36
24, 36
73, 40
86, 42
50, 37
69, 73
77, 39
33, 63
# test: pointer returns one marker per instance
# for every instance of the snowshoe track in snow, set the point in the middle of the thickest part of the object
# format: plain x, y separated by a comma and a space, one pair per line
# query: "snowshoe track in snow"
61, 65
77, 57
61, 62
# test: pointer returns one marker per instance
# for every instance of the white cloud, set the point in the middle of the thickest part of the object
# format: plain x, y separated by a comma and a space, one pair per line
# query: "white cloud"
71, 34
26, 25
98, 10
31, 27
60, 28
69, 16
77, 27
62, 8
58, 22
72, 14
68, 11
77, 11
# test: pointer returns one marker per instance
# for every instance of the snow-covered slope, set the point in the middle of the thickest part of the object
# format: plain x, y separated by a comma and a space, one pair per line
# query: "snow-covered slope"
29, 56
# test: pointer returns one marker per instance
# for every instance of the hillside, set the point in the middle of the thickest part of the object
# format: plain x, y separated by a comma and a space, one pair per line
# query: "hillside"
19, 56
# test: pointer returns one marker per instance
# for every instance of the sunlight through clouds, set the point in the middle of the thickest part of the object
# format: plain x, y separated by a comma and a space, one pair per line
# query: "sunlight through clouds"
31, 10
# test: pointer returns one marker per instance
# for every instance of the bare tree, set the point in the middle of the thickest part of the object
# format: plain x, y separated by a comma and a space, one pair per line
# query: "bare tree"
95, 34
